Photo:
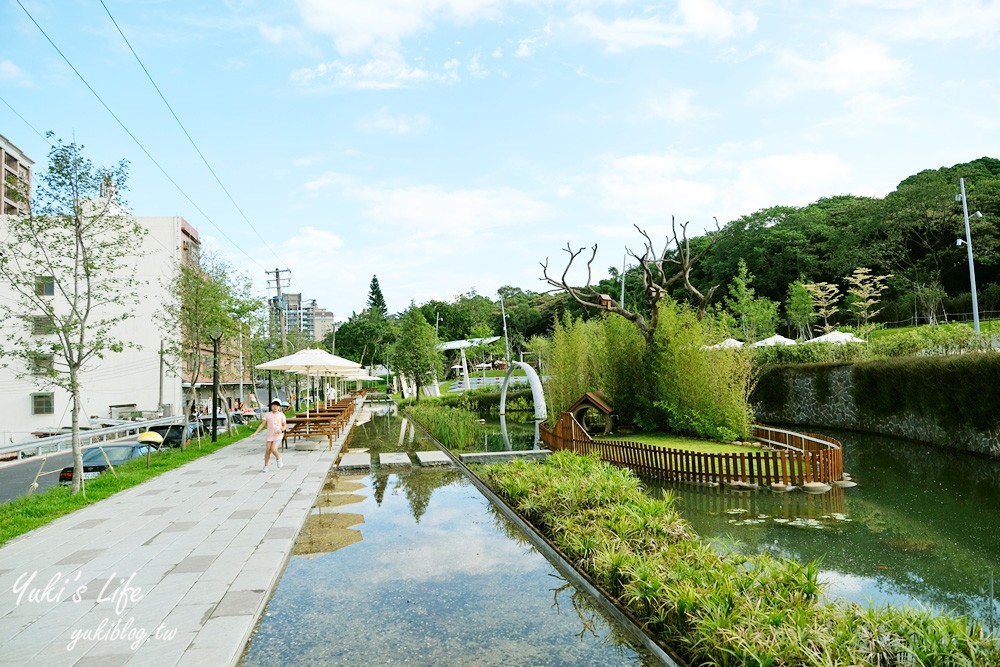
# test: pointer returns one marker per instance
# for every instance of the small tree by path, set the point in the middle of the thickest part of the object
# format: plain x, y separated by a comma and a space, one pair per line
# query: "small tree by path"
70, 263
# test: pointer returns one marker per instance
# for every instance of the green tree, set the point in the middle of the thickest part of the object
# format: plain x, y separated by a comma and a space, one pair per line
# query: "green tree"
757, 317
800, 309
66, 264
825, 297
569, 364
211, 295
414, 355
864, 292
365, 337
376, 302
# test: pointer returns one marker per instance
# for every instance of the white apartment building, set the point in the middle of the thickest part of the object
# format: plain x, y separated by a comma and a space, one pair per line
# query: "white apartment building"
122, 384
15, 174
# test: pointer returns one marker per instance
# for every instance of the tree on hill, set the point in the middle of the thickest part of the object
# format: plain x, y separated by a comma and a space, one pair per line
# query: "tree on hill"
71, 263
376, 302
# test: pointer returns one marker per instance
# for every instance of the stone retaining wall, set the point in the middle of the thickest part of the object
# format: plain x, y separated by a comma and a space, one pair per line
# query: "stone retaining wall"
825, 397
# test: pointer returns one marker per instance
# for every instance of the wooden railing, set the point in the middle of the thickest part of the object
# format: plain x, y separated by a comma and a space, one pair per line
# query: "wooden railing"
810, 463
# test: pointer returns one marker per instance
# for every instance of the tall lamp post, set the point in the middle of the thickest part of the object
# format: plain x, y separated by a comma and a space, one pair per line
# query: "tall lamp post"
968, 246
216, 334
270, 386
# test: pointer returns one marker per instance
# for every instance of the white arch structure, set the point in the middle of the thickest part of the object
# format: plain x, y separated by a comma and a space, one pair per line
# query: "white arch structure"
536, 389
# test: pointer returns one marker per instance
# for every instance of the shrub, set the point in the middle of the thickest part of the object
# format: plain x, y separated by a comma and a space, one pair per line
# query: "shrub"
714, 608
453, 427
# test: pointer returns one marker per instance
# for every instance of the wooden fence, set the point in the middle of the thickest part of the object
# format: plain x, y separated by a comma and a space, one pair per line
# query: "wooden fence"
812, 462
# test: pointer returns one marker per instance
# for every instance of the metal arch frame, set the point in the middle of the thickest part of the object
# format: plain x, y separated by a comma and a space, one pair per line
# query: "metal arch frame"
536, 389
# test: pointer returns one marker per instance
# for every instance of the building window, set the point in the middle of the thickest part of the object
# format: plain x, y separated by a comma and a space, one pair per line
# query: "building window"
45, 286
42, 324
41, 364
43, 404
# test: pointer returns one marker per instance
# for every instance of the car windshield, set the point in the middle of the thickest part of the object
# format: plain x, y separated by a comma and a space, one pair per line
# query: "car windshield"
116, 454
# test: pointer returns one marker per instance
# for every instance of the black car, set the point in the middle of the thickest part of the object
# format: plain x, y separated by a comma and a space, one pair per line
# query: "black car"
94, 462
179, 435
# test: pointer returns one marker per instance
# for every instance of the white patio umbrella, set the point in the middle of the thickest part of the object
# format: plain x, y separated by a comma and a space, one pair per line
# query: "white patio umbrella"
776, 339
839, 337
312, 362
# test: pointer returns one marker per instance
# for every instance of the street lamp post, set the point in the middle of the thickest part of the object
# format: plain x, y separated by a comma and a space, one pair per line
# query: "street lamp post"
270, 386
216, 334
968, 247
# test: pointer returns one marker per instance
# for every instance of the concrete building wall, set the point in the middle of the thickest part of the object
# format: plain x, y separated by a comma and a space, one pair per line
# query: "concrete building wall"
130, 379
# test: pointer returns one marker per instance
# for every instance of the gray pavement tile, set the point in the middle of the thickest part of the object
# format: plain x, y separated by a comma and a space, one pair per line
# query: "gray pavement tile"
280, 533
89, 523
156, 511
106, 660
202, 483
254, 578
152, 492
178, 526
213, 655
193, 564
224, 494
240, 603
243, 514
208, 591
220, 632
80, 557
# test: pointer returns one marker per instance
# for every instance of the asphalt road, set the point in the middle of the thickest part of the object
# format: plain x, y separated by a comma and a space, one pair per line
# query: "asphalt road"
15, 479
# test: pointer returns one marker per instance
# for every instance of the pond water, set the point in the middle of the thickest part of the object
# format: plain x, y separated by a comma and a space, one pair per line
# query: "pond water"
415, 565
921, 528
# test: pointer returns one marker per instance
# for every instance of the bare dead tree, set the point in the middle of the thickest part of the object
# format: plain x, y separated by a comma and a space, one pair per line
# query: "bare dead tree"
660, 271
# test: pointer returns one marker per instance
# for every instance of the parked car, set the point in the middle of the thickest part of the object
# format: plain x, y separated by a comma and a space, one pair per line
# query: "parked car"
221, 426
94, 462
179, 435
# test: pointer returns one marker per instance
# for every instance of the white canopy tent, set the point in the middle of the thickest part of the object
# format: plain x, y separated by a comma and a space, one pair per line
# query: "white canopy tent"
776, 339
838, 337
729, 343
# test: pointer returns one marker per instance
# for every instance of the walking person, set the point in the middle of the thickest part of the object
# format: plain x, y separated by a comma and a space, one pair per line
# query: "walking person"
276, 424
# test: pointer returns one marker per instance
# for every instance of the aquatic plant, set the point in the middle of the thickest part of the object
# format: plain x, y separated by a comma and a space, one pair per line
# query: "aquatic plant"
715, 608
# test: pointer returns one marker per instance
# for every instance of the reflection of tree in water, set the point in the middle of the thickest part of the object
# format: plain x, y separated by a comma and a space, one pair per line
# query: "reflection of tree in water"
919, 524
417, 484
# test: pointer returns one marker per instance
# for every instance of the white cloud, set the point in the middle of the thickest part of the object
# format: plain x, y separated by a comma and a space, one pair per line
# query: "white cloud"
693, 19
432, 214
855, 64
383, 121
933, 20
387, 71
497, 53
525, 48
276, 34
676, 106
476, 68
358, 26
9, 71
648, 188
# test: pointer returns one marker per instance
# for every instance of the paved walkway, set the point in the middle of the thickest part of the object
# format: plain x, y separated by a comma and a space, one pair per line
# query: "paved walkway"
175, 571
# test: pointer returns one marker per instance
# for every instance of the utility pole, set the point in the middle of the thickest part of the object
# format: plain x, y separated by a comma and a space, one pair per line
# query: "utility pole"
160, 402
279, 306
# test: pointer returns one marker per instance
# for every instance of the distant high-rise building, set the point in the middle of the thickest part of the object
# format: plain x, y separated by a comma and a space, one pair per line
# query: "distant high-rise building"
302, 316
15, 188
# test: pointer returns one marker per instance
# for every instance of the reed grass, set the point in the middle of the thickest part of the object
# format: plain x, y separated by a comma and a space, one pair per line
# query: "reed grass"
456, 429
712, 608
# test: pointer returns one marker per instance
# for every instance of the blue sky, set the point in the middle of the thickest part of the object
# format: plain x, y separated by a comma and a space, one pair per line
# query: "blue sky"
450, 145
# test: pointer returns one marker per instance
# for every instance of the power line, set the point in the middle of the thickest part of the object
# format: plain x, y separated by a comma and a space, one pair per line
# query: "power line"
133, 137
25, 121
186, 134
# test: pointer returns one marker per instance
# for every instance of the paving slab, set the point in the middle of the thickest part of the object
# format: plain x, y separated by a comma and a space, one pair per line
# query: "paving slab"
394, 459
435, 458
355, 461
174, 571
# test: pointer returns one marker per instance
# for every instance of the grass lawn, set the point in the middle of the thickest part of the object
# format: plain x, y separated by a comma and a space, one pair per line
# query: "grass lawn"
22, 515
985, 326
682, 442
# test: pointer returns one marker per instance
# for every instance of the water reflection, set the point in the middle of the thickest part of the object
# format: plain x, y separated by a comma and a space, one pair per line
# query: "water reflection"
439, 578
920, 528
